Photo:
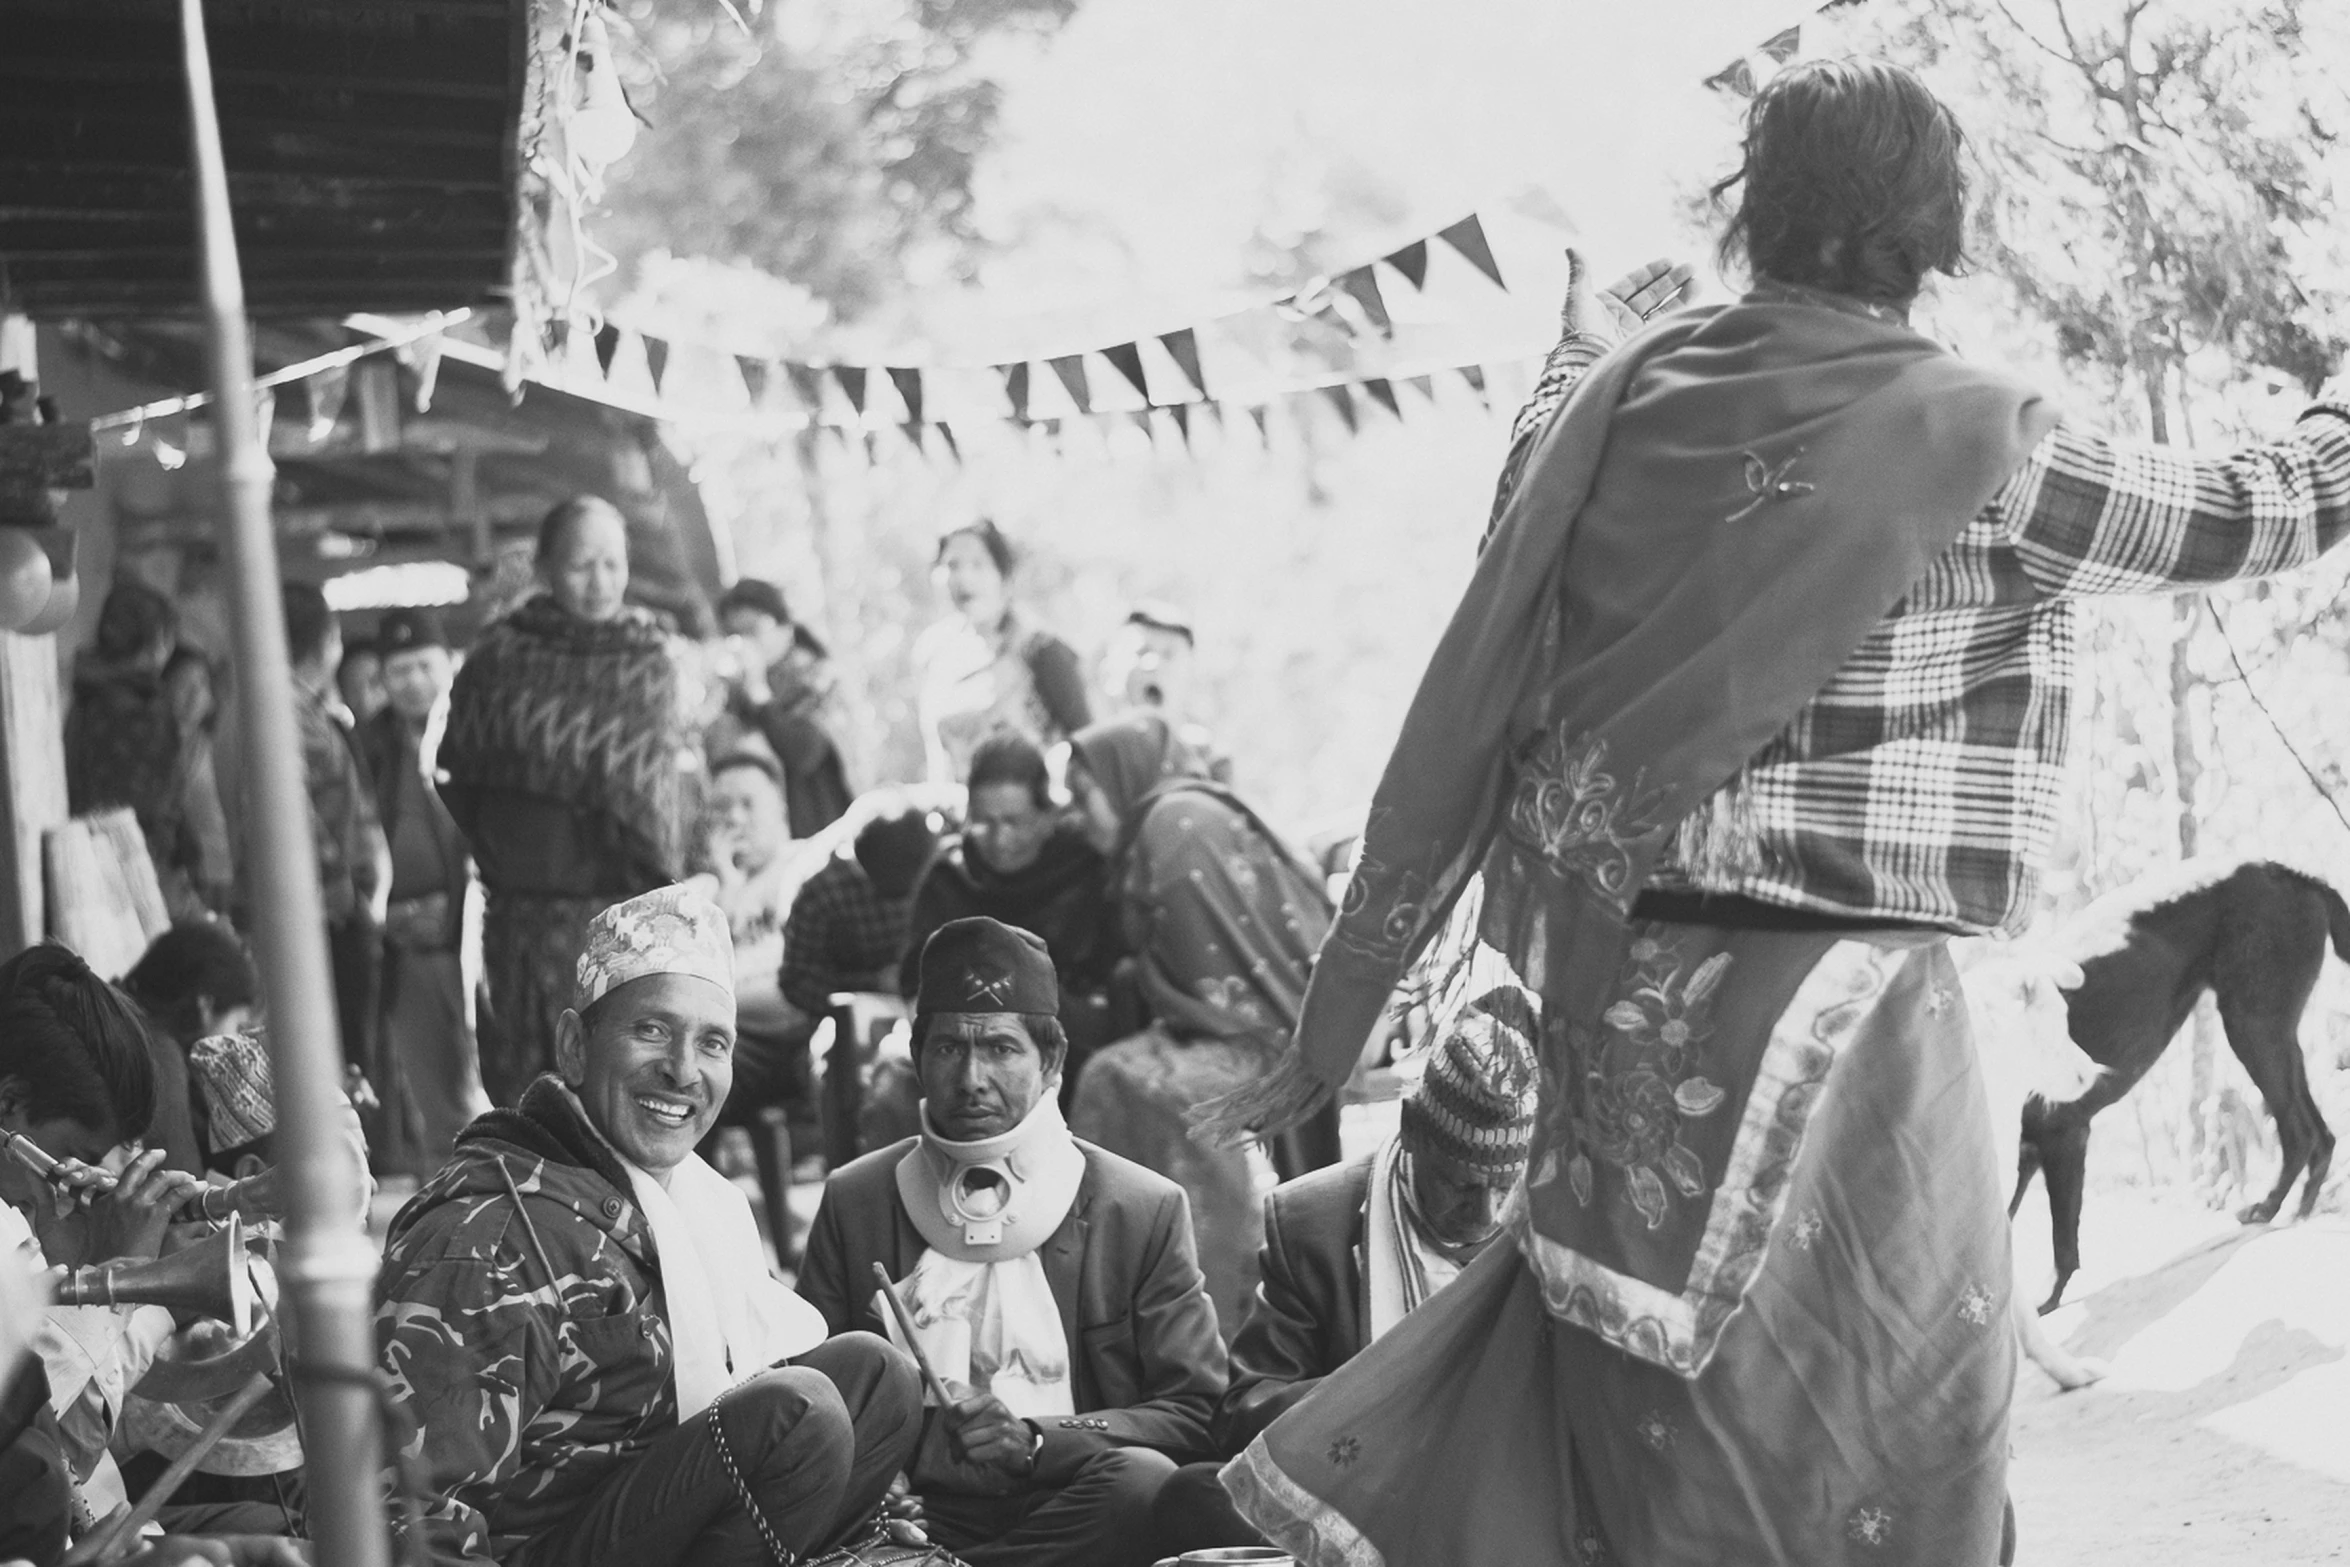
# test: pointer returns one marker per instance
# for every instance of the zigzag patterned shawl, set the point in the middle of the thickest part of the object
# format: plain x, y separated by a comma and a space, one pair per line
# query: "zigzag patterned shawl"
581, 714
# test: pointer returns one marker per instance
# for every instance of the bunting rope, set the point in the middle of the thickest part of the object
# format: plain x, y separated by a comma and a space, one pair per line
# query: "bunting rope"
1351, 302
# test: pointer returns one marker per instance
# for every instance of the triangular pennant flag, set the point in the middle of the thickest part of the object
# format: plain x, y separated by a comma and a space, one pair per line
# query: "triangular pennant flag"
1071, 369
807, 384
1411, 261
607, 344
1183, 347
1536, 203
1737, 77
1126, 359
1475, 376
909, 385
1383, 394
1264, 430
1181, 414
754, 374
954, 448
1468, 237
1363, 284
1782, 47
1425, 385
1016, 388
852, 384
1344, 402
656, 359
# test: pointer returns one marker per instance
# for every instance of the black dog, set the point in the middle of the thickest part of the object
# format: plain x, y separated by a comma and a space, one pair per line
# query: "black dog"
2256, 937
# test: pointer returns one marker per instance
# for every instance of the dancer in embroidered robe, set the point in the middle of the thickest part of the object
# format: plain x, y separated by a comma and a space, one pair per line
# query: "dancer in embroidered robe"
1050, 1284
577, 1316
1758, 692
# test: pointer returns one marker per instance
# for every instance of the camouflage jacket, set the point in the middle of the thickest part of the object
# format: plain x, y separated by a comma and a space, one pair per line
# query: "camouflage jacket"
519, 1318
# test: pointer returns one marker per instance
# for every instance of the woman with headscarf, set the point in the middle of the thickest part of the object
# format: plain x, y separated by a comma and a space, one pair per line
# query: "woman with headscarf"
562, 767
988, 667
1222, 918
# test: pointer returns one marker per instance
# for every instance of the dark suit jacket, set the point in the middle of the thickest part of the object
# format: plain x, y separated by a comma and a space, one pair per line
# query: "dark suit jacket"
1146, 1362
1311, 1314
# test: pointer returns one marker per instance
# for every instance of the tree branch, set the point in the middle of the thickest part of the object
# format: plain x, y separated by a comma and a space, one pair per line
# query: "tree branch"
2034, 39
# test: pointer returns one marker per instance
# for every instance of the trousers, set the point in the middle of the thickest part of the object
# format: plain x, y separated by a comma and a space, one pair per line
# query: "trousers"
814, 1442
433, 1077
1194, 1514
1101, 1518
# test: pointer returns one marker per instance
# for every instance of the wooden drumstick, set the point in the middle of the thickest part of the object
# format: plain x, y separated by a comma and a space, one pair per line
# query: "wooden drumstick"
897, 1309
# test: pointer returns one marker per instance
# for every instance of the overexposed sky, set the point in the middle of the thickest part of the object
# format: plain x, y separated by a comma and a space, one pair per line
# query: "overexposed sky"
1143, 145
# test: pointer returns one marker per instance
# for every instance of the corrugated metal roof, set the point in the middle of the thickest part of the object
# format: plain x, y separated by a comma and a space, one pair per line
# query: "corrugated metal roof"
370, 147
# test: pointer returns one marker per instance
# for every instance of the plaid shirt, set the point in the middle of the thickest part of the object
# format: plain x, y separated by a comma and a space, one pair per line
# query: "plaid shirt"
842, 934
1920, 785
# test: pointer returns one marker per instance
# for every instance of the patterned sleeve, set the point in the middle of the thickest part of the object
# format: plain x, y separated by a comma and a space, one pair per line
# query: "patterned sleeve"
806, 976
455, 1338
1575, 354
2089, 514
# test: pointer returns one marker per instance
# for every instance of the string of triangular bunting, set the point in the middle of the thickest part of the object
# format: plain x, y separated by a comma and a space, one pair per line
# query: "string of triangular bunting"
1344, 397
1161, 370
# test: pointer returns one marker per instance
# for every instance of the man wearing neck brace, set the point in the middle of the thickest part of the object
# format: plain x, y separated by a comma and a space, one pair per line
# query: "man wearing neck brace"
1052, 1286
576, 1312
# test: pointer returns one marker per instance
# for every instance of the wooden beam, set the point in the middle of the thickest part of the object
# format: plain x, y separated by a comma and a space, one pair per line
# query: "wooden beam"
32, 781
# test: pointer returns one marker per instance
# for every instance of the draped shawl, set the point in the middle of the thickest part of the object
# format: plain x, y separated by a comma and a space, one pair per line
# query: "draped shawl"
585, 715
1222, 916
1714, 520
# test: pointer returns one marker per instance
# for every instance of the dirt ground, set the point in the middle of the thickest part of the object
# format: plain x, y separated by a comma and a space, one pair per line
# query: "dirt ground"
2223, 1433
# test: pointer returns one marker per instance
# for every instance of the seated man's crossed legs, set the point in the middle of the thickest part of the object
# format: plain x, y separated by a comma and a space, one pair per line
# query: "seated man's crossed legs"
1100, 1517
792, 1461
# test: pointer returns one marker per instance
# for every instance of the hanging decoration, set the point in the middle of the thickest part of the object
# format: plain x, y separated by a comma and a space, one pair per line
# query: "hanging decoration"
1154, 383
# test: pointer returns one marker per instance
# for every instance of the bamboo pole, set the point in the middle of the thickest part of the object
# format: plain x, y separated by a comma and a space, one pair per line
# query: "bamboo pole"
328, 1267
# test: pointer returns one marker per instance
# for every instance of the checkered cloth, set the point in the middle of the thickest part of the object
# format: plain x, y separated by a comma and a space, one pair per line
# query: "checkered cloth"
1921, 784
842, 934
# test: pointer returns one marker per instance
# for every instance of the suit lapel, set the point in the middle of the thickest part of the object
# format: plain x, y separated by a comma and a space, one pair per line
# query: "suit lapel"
1064, 1270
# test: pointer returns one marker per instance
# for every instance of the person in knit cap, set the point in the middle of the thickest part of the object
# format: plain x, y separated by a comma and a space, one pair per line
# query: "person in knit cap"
1351, 1249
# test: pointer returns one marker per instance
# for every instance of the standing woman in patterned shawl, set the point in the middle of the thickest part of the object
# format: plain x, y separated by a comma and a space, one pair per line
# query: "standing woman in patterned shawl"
1223, 919
561, 765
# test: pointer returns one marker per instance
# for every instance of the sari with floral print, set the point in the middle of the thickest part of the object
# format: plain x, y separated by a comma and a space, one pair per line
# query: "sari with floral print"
1755, 1305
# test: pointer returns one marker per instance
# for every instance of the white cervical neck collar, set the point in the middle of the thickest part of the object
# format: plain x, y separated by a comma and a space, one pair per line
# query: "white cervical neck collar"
997, 1198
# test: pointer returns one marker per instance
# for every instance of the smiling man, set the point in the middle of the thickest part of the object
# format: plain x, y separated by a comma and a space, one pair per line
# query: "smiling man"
1052, 1286
576, 1314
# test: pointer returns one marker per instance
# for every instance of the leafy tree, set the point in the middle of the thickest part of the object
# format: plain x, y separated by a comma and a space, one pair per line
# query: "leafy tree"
831, 147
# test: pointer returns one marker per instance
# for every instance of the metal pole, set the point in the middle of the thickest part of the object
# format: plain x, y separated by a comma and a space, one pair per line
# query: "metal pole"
327, 1266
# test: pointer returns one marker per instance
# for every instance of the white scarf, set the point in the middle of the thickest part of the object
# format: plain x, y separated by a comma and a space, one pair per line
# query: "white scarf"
1402, 1269
729, 1318
984, 1315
